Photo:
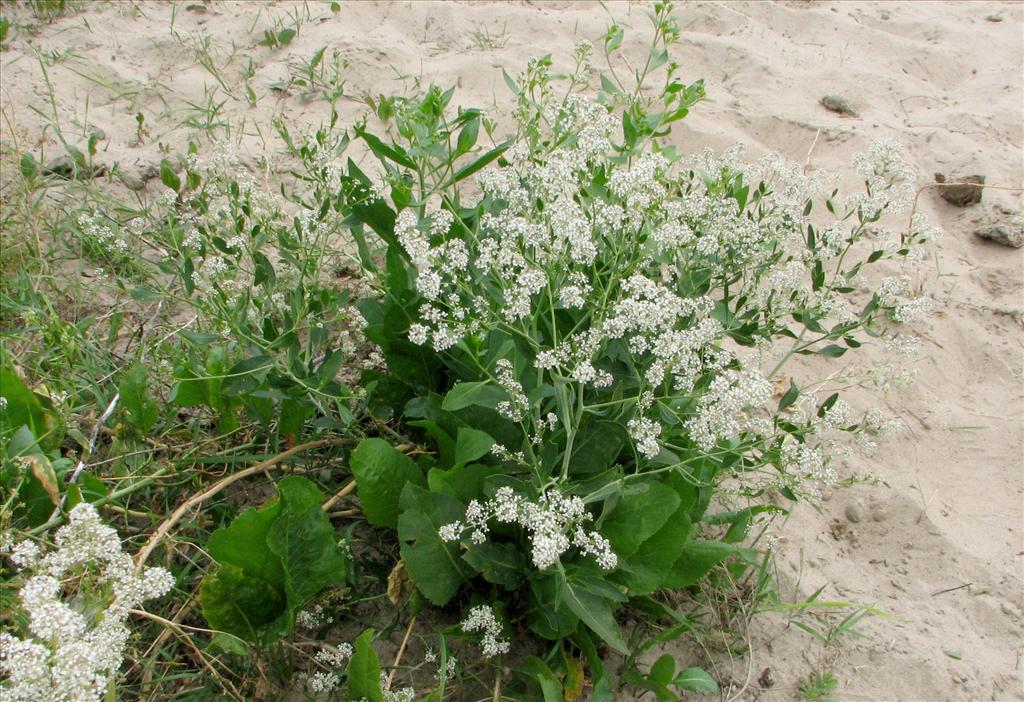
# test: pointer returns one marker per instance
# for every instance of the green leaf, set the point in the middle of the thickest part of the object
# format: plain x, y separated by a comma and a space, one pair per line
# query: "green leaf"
189, 390
602, 688
467, 137
832, 351
663, 669
243, 544
364, 670
29, 167
23, 407
550, 687
246, 376
481, 162
500, 563
471, 444
381, 473
646, 570
240, 604
696, 680
285, 36
463, 482
139, 405
168, 177
546, 615
789, 397
385, 151
463, 395
375, 213
698, 557
435, 566
303, 538
641, 512
598, 443
590, 603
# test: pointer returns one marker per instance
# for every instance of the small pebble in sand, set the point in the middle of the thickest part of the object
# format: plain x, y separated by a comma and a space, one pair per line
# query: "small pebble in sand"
839, 105
967, 192
1008, 233
855, 513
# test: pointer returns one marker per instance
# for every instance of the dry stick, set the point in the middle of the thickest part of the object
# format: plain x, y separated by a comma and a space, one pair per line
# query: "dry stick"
188, 504
165, 634
225, 684
401, 650
341, 493
807, 160
88, 452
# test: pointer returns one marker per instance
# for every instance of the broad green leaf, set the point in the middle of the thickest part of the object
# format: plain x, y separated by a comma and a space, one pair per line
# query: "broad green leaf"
549, 684
641, 512
592, 606
246, 375
471, 444
364, 670
381, 472
240, 604
464, 482
646, 570
546, 615
597, 445
663, 669
387, 151
168, 177
696, 680
463, 395
303, 538
243, 544
601, 682
136, 399
789, 397
698, 557
189, 390
478, 164
436, 567
467, 137
500, 563
22, 406
29, 165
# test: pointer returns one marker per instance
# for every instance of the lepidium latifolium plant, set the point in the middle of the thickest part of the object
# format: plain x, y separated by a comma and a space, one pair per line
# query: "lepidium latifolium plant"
73, 605
591, 336
274, 320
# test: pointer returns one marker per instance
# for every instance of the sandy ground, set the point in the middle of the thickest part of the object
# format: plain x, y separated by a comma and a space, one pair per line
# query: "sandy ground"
938, 544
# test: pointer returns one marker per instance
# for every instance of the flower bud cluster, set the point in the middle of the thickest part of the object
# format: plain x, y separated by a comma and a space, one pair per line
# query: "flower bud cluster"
73, 652
481, 619
554, 524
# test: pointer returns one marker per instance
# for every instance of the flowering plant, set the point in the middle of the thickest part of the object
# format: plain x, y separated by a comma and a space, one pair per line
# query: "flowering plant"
594, 341
74, 648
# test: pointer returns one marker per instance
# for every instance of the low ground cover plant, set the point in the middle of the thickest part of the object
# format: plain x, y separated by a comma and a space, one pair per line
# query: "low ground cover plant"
549, 379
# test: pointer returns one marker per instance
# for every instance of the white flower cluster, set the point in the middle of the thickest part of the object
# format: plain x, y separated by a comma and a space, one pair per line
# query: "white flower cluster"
888, 180
515, 407
894, 293
554, 523
72, 655
94, 228
313, 618
721, 409
481, 619
323, 682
